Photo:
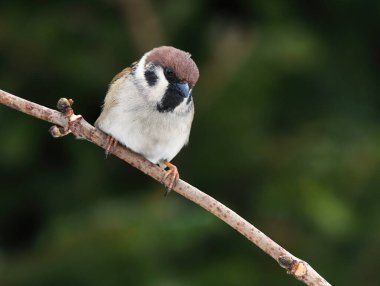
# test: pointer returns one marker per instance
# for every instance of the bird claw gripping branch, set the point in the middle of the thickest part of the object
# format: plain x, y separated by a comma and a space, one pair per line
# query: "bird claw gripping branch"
64, 106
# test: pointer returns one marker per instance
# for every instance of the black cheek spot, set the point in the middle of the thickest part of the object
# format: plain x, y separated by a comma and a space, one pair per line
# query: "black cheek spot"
151, 77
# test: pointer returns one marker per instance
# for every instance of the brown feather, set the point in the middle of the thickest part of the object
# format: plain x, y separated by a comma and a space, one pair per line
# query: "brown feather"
121, 74
179, 61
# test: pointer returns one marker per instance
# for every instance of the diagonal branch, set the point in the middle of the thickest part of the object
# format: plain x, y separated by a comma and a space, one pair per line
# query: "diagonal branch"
67, 122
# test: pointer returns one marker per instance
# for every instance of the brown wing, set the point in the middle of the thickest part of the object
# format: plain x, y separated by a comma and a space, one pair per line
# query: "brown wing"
123, 73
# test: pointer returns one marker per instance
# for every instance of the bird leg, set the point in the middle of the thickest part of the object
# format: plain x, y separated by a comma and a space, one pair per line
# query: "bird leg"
172, 174
111, 144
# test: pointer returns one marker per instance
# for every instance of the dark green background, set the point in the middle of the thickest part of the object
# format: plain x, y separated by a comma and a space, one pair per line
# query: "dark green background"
286, 133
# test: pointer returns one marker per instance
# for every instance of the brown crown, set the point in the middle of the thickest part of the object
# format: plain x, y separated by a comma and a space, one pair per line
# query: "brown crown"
179, 61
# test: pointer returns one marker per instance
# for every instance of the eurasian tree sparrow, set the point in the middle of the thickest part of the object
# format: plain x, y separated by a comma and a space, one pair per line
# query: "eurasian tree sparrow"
149, 107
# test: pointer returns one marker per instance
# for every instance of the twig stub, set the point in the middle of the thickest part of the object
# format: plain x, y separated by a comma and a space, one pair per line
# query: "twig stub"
295, 267
64, 105
57, 131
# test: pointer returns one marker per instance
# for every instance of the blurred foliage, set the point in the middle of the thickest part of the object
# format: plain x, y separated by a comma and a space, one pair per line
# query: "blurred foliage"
286, 133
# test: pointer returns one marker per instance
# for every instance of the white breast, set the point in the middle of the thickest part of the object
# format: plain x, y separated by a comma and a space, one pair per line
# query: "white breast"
138, 125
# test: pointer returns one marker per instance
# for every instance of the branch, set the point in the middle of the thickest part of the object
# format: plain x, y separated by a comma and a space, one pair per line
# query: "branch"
67, 122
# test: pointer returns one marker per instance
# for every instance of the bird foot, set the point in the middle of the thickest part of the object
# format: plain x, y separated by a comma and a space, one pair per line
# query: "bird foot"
173, 176
110, 144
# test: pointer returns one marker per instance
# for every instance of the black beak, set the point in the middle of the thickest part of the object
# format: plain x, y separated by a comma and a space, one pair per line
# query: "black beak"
183, 89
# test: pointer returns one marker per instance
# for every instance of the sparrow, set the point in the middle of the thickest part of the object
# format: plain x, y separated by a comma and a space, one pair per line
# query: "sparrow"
149, 107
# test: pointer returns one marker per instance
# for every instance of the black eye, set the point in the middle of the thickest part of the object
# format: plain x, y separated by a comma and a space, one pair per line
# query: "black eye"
169, 73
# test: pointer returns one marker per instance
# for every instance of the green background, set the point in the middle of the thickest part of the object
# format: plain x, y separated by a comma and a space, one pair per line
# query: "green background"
286, 133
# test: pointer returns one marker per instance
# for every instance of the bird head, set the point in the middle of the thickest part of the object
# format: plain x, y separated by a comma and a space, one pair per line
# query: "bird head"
166, 76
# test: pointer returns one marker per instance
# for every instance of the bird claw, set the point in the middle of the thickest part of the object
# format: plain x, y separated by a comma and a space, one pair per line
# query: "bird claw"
173, 176
110, 144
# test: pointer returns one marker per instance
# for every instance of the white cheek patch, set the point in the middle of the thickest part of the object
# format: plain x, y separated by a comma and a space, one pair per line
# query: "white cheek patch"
158, 90
140, 67
155, 92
